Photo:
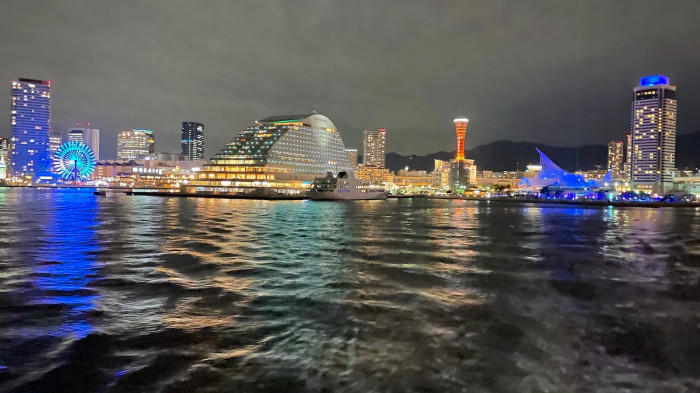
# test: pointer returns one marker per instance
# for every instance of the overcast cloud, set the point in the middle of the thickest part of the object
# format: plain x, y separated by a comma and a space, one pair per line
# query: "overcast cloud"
556, 72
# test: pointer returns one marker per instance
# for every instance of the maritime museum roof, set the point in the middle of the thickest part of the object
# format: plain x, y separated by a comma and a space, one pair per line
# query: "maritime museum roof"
313, 119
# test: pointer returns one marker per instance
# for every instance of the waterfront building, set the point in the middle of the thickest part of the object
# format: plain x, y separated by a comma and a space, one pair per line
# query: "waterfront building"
374, 145
492, 179
173, 156
412, 180
135, 144
275, 155
687, 183
30, 120
86, 134
628, 157
551, 175
352, 157
373, 175
441, 174
615, 156
55, 142
192, 140
462, 174
4, 158
653, 135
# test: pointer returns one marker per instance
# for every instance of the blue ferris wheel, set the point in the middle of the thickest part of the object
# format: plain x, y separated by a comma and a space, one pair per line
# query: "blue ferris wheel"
74, 161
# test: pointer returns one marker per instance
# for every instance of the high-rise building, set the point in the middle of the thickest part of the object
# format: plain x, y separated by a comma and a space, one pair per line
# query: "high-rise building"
352, 157
441, 174
461, 131
86, 134
4, 158
276, 155
615, 155
374, 144
55, 142
653, 135
31, 124
135, 144
628, 157
192, 138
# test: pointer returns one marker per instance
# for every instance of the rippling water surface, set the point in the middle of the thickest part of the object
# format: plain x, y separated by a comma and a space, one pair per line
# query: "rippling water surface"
129, 294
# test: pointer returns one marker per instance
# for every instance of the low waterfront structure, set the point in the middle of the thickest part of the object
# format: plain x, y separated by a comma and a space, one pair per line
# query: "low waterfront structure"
551, 175
373, 175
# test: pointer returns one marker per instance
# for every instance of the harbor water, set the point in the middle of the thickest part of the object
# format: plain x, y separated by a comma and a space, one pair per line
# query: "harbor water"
124, 293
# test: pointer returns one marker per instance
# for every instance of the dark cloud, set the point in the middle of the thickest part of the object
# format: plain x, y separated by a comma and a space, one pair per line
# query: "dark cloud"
557, 72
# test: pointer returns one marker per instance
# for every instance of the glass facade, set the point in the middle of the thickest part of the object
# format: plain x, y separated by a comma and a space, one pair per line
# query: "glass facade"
88, 135
192, 139
615, 157
135, 144
374, 145
278, 154
31, 124
653, 131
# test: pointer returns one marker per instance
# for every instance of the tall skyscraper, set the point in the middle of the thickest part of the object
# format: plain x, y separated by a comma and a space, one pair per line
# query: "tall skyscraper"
615, 155
86, 134
653, 134
192, 138
4, 158
461, 131
135, 144
374, 143
352, 157
31, 124
628, 157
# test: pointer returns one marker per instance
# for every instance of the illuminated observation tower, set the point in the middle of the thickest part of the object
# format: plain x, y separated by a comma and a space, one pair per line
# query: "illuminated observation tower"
461, 129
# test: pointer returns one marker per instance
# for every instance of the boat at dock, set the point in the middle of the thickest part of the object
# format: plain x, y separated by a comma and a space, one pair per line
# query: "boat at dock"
343, 187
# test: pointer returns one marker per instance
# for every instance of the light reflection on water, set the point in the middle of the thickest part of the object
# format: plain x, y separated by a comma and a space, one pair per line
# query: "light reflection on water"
175, 294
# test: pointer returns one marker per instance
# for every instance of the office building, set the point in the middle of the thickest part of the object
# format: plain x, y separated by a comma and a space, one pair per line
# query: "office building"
171, 156
135, 144
462, 174
275, 155
4, 158
192, 139
373, 175
628, 157
55, 142
615, 155
86, 134
31, 123
441, 174
352, 157
374, 144
653, 135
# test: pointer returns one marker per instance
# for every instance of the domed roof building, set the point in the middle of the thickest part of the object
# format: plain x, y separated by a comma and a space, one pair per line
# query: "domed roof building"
275, 155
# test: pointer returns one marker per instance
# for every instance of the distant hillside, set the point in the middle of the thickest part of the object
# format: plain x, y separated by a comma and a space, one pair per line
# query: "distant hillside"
509, 155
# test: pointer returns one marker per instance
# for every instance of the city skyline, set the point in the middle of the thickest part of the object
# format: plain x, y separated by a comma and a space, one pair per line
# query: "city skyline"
471, 63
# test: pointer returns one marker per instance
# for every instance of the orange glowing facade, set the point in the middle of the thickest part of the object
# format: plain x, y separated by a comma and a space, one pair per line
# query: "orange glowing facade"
461, 129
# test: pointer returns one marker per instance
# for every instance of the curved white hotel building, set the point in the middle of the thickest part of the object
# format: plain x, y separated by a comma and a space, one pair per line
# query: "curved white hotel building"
275, 155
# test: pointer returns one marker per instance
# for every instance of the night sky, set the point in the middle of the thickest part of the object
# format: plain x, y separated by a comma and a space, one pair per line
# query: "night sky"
555, 72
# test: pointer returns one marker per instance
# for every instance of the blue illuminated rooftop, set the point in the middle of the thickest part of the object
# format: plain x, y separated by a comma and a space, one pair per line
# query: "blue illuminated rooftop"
653, 80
